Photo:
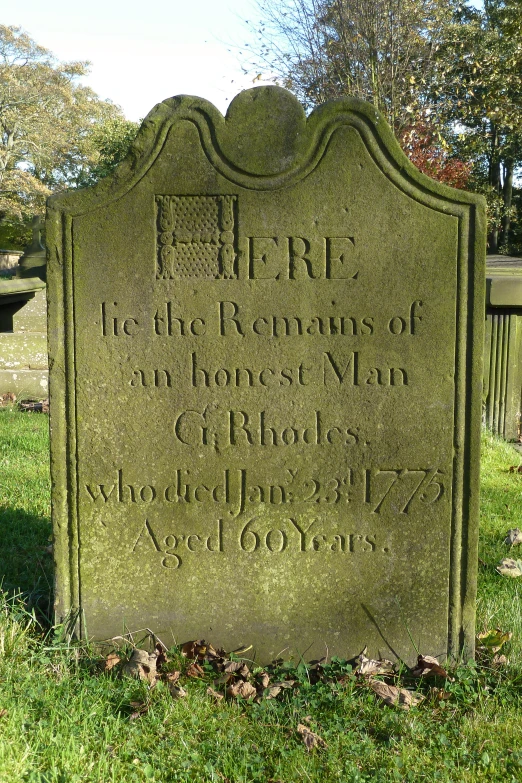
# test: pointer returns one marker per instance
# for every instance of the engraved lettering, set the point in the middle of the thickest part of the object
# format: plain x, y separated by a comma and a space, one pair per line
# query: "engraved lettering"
151, 378
114, 325
227, 320
348, 375
339, 258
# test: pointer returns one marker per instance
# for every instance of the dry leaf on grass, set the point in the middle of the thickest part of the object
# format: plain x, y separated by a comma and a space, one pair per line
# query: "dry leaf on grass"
368, 667
3, 713
232, 666
310, 738
161, 655
176, 691
513, 537
284, 684
395, 697
172, 677
215, 694
243, 689
195, 670
499, 660
111, 661
426, 666
264, 680
271, 692
142, 664
202, 650
515, 469
510, 567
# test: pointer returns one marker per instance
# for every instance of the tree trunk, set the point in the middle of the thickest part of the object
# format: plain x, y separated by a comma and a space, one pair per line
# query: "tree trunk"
494, 180
507, 194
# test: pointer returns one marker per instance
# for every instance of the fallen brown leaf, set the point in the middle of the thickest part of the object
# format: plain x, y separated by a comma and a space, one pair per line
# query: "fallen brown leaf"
272, 691
284, 684
111, 661
264, 680
243, 689
232, 666
161, 655
367, 667
172, 677
310, 738
195, 670
190, 649
499, 660
142, 664
394, 696
3, 713
176, 691
426, 666
215, 694
202, 650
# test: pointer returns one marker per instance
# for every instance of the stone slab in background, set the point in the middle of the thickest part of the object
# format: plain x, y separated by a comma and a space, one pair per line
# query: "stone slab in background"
24, 350
33, 316
23, 338
502, 392
266, 339
25, 383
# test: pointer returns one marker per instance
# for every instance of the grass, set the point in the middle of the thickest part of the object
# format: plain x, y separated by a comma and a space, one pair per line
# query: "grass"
62, 721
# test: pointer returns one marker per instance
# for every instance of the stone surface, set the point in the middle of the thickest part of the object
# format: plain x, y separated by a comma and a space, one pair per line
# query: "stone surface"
266, 337
25, 383
23, 338
502, 392
32, 317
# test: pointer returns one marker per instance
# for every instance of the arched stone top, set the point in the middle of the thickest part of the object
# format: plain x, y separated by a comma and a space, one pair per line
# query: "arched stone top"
266, 142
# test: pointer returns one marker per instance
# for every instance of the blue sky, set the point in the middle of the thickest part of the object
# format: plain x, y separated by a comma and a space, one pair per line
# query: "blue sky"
144, 52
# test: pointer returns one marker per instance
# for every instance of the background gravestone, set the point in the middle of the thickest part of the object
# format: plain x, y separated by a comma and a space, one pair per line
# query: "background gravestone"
265, 339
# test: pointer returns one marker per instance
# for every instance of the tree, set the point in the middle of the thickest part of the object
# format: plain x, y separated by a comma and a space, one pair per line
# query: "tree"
430, 153
111, 140
378, 50
47, 121
477, 89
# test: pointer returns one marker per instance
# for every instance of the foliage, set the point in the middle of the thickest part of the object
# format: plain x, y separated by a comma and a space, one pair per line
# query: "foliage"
445, 74
423, 145
378, 50
46, 125
476, 87
111, 140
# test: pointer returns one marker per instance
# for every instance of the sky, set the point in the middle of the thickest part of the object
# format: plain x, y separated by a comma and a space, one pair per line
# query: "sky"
142, 53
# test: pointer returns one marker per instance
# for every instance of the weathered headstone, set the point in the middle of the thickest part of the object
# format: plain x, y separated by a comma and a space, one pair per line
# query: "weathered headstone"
266, 342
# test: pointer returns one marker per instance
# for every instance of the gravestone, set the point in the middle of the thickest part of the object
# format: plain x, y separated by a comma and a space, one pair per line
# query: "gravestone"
266, 336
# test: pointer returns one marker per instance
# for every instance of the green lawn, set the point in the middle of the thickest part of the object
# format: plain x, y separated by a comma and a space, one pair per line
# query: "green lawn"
63, 721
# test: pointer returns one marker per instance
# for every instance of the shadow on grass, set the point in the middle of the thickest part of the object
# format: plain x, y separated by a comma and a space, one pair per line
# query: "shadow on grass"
26, 564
